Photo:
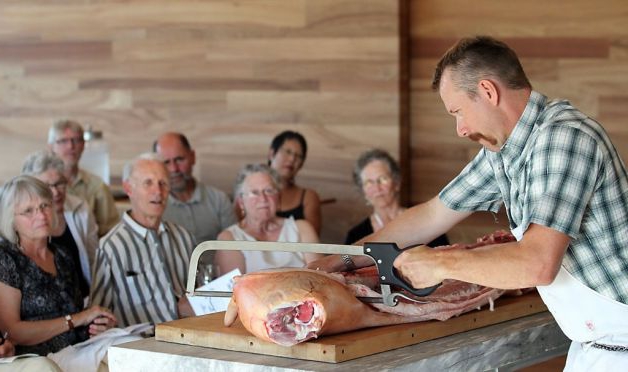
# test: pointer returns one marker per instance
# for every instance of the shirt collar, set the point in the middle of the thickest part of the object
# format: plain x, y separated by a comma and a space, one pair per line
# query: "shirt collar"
80, 178
139, 229
519, 137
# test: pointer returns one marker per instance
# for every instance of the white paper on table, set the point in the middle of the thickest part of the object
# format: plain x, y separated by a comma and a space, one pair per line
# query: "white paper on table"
206, 305
7, 360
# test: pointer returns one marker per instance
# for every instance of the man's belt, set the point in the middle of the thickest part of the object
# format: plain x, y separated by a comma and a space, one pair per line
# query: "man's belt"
610, 347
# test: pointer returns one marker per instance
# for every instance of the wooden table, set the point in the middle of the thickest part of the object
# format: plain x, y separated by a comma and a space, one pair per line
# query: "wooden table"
504, 346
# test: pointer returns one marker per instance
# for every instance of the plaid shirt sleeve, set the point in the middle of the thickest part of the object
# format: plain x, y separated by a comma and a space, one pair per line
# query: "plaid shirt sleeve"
564, 169
474, 189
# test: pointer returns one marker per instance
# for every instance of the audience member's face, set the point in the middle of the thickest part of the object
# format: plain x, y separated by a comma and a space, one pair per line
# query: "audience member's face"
148, 190
288, 159
178, 160
259, 197
33, 218
69, 147
379, 188
57, 184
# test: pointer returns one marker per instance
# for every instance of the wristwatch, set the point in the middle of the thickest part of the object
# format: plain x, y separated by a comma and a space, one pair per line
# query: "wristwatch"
68, 321
348, 261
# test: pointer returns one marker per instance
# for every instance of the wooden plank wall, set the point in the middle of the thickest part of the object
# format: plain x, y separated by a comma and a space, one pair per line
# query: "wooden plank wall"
229, 73
576, 50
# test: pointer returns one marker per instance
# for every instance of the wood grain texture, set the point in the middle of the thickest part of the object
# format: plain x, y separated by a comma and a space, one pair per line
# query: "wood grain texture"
230, 74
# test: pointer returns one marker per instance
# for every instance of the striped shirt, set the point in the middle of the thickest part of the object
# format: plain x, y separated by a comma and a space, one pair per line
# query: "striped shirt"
138, 278
558, 169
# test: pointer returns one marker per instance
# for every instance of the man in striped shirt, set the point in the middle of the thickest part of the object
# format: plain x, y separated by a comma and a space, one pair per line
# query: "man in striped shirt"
141, 264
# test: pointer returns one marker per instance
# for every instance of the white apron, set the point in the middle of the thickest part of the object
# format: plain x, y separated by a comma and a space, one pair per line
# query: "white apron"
586, 317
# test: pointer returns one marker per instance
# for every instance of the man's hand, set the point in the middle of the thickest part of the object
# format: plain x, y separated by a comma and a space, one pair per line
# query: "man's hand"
7, 349
418, 267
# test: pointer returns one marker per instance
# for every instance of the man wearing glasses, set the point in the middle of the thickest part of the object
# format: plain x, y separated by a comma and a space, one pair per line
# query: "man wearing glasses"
65, 139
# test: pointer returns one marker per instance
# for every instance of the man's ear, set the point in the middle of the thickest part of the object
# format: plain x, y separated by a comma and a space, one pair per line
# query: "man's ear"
193, 157
126, 186
489, 91
270, 155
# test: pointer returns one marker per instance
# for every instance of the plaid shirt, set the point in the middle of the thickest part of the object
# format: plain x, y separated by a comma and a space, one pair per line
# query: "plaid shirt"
558, 169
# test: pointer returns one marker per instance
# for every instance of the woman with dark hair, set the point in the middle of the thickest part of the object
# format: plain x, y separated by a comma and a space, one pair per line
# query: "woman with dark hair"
42, 306
377, 176
286, 156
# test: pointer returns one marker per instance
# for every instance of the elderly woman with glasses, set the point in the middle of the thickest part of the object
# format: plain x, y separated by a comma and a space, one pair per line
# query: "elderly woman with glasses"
286, 156
42, 306
76, 228
377, 176
257, 194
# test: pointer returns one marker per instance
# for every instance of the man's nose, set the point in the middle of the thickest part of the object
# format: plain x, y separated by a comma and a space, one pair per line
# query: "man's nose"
461, 129
172, 167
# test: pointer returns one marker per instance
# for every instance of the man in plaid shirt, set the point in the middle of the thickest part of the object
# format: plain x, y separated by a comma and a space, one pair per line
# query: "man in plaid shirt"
565, 190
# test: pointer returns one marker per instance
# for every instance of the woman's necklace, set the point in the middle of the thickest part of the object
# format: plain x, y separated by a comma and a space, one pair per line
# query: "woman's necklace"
378, 221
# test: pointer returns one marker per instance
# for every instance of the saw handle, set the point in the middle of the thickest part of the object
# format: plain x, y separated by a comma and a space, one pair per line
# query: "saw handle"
384, 255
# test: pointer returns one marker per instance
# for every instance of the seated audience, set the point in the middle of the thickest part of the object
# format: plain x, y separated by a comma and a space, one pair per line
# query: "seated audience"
203, 210
76, 227
377, 176
65, 139
42, 306
142, 263
286, 156
257, 193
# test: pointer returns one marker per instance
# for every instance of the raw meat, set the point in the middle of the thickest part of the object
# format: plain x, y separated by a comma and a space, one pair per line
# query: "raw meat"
289, 306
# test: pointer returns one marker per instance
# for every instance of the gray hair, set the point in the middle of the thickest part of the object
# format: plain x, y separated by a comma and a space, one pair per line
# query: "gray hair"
59, 126
42, 161
481, 57
370, 156
15, 191
250, 169
129, 167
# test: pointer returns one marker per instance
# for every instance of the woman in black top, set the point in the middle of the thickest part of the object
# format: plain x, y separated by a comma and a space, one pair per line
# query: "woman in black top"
42, 306
286, 156
377, 176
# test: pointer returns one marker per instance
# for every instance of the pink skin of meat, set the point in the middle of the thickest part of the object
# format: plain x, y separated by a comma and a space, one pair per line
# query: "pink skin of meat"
289, 306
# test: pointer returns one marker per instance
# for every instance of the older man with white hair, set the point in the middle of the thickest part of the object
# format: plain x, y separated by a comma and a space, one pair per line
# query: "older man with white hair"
141, 264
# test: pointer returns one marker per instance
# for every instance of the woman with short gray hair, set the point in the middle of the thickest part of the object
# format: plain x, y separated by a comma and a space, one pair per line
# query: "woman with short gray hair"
377, 176
76, 228
42, 307
256, 192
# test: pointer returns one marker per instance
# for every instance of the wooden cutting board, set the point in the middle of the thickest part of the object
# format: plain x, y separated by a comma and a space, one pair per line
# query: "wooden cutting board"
209, 331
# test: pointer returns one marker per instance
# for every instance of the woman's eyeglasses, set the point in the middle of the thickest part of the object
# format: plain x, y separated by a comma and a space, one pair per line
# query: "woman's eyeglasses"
30, 212
59, 185
381, 181
257, 193
289, 153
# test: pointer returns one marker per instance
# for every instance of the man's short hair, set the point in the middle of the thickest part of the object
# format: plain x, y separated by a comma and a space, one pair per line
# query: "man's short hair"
61, 125
182, 138
481, 57
129, 167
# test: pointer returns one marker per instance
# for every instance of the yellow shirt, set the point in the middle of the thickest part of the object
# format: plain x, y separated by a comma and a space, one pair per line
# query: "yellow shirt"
97, 194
